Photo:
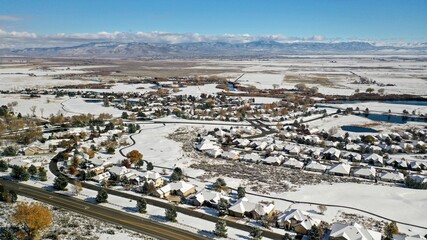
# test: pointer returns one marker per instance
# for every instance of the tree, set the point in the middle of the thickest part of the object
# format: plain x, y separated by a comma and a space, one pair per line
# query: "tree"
139, 164
125, 115
256, 233
60, 183
32, 218
77, 187
287, 236
102, 196
170, 214
10, 151
322, 208
370, 90
8, 196
111, 150
32, 170
3, 166
241, 192
301, 87
222, 207
176, 175
390, 229
42, 175
314, 233
150, 166
220, 184
20, 173
221, 229
33, 110
141, 205
134, 156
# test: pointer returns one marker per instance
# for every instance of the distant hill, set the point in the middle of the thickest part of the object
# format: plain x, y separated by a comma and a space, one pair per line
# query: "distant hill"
209, 49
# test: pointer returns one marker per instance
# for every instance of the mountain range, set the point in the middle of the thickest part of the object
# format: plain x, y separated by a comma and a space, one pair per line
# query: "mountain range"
210, 49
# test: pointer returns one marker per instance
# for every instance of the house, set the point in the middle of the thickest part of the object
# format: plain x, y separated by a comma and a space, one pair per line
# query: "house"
332, 153
101, 177
216, 152
118, 171
341, 231
206, 198
293, 163
206, 144
296, 220
352, 156
375, 159
419, 178
252, 210
315, 167
101, 162
231, 155
341, 169
392, 177
292, 149
180, 188
276, 161
251, 157
154, 177
353, 147
35, 150
368, 173
404, 237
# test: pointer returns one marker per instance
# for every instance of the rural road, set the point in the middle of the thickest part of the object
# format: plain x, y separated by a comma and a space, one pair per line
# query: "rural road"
129, 221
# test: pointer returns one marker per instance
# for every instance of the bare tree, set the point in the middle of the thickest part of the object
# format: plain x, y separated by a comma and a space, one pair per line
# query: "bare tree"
322, 208
41, 112
33, 110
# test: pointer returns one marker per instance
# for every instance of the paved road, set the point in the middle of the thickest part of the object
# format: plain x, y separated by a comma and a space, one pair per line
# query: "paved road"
129, 221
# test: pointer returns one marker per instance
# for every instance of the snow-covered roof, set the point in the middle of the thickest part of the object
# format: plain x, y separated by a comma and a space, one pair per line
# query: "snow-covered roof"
367, 172
292, 162
341, 168
392, 176
353, 232
118, 170
313, 165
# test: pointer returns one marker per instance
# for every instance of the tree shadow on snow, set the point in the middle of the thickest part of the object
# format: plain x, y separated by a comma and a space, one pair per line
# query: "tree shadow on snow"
130, 209
243, 237
206, 233
158, 218
91, 199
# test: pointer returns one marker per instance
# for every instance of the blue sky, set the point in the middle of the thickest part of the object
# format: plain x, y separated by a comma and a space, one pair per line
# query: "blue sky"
343, 19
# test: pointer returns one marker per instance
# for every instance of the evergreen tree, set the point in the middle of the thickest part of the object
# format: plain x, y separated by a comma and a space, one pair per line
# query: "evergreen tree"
102, 196
150, 166
170, 214
10, 151
314, 233
220, 184
287, 236
20, 173
60, 183
221, 229
256, 233
141, 205
390, 229
3, 166
222, 207
42, 175
32, 170
241, 192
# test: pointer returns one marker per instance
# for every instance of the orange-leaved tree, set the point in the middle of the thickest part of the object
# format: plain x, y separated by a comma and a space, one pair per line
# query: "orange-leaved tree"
32, 218
134, 156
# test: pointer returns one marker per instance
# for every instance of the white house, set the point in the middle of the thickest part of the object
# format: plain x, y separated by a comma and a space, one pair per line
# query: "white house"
315, 167
251, 157
332, 153
392, 177
341, 169
273, 160
293, 163
353, 232
369, 173
375, 159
